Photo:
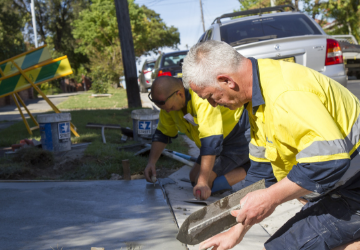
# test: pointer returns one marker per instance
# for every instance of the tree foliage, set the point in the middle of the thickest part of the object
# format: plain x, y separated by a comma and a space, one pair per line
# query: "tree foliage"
11, 25
84, 30
53, 21
347, 16
97, 35
255, 4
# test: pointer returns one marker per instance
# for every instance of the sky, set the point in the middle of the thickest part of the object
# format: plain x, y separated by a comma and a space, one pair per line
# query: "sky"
186, 16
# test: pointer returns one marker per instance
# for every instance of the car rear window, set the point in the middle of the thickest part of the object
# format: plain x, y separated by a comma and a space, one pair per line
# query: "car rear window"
276, 27
150, 65
173, 59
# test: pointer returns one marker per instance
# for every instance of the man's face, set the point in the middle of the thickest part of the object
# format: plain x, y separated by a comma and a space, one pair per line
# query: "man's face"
216, 96
174, 103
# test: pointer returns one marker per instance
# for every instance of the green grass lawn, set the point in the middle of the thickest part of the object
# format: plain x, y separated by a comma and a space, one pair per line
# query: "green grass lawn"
79, 118
85, 101
100, 160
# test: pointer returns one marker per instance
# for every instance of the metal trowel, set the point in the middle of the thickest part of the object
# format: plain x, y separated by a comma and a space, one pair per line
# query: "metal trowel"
214, 218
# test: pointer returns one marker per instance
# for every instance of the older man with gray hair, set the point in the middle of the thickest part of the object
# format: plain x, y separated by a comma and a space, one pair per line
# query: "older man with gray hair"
306, 126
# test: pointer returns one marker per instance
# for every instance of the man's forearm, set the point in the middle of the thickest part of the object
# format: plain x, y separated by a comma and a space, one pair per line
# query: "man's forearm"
286, 190
207, 164
156, 150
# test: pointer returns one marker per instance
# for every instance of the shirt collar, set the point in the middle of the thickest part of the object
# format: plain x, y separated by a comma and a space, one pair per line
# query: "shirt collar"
257, 98
187, 96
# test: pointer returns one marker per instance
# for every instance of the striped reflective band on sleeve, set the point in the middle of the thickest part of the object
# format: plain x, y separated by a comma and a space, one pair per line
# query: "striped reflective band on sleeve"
323, 148
257, 151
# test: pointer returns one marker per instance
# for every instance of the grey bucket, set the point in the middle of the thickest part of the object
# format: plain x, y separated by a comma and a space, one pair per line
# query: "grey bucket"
55, 131
144, 123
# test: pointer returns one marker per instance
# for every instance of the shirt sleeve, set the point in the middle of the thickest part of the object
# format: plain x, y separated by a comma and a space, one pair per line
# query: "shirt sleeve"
160, 137
319, 177
306, 128
210, 127
166, 124
259, 171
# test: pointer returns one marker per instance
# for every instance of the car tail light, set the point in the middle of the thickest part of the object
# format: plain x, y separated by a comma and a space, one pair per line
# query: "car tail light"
333, 53
164, 73
147, 81
146, 71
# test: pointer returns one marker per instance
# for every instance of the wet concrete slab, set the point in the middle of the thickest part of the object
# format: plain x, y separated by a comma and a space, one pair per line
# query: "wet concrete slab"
81, 215
180, 192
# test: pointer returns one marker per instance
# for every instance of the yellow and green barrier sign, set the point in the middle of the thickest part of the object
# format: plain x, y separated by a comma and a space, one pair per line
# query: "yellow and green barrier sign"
29, 70
36, 66
26, 60
37, 74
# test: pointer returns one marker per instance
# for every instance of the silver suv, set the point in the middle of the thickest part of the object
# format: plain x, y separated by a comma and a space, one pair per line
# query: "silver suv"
291, 36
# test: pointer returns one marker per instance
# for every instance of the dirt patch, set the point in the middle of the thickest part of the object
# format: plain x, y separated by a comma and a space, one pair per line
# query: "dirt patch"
36, 163
35, 158
68, 159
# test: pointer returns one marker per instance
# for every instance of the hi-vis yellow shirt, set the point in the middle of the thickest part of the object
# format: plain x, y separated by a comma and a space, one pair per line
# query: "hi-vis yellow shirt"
307, 118
209, 125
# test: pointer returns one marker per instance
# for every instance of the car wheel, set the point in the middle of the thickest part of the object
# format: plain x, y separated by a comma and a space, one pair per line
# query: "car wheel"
143, 89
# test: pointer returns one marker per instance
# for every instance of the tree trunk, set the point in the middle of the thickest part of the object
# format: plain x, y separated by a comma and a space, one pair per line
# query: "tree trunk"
128, 54
297, 5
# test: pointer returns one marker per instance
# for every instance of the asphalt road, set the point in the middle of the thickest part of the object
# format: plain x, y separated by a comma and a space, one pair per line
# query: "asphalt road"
10, 114
354, 87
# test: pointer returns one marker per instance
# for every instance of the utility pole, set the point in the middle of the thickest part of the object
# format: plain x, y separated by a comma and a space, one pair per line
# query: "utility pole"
32, 5
202, 16
128, 54
272, 4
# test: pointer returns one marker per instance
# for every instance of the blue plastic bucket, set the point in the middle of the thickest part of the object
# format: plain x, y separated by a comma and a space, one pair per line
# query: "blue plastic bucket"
144, 123
55, 131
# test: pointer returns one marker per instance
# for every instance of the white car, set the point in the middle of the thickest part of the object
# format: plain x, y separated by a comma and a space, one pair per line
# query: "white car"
144, 79
292, 36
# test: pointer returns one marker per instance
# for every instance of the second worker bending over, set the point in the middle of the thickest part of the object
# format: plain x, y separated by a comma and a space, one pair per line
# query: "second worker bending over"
221, 134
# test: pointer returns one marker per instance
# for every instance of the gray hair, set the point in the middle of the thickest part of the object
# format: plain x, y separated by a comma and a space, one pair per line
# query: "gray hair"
206, 60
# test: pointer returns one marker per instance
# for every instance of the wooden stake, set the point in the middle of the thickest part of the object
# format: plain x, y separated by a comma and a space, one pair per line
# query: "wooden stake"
126, 170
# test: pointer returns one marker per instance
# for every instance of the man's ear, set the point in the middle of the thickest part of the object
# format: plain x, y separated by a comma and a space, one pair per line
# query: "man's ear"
226, 80
180, 94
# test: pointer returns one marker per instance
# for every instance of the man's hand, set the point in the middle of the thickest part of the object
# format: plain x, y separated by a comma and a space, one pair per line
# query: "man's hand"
204, 189
226, 240
155, 152
255, 207
260, 204
150, 171
207, 164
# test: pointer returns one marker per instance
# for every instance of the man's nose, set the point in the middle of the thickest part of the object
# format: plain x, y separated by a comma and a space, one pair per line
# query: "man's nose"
212, 102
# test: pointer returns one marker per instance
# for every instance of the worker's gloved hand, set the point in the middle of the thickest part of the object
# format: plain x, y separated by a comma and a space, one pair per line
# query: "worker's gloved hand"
150, 171
201, 191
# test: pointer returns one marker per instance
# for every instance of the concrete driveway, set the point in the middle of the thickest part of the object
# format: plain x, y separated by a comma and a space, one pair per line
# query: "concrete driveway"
83, 214
146, 103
